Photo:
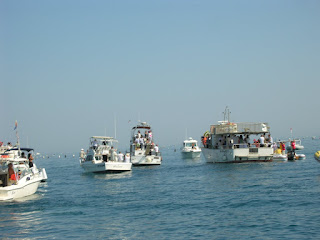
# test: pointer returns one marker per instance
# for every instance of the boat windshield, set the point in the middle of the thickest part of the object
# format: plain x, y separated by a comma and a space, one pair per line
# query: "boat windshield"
190, 144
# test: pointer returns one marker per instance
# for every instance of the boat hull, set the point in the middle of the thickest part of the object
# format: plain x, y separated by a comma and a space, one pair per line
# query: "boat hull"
280, 158
191, 154
106, 166
238, 155
20, 190
146, 160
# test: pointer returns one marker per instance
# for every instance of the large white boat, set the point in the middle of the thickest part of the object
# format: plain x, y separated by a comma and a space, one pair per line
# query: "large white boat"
143, 151
17, 178
191, 149
229, 142
102, 156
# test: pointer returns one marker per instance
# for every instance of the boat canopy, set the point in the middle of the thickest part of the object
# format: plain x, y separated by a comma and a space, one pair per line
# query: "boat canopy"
102, 137
190, 140
239, 128
142, 125
21, 149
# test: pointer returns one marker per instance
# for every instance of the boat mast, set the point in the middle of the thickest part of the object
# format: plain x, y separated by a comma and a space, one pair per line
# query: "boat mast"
18, 139
226, 114
115, 127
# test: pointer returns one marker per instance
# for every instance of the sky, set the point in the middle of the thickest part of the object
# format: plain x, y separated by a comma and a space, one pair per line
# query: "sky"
71, 69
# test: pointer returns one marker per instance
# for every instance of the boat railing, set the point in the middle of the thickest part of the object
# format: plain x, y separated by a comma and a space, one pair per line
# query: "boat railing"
240, 145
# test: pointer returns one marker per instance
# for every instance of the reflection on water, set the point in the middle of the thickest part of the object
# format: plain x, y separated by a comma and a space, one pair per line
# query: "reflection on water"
108, 176
181, 199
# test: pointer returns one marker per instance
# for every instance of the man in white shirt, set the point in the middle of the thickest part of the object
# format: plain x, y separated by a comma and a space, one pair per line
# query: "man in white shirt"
127, 158
120, 157
141, 141
261, 141
156, 148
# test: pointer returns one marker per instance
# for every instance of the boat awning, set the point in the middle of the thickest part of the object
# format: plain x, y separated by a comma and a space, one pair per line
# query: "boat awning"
141, 127
101, 137
21, 149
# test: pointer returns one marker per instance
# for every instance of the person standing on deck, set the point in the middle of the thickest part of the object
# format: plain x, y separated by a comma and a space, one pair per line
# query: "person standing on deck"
261, 141
293, 147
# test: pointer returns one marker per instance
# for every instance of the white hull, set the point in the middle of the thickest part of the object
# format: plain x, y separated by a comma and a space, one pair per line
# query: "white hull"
191, 154
22, 189
300, 156
298, 147
43, 175
280, 157
238, 155
146, 160
101, 166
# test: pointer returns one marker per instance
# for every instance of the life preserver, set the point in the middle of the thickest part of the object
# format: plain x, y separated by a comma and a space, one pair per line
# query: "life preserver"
14, 177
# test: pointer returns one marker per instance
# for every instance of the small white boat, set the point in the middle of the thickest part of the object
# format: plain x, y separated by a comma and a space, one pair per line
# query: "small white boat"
280, 157
317, 156
143, 151
24, 180
191, 149
298, 145
102, 157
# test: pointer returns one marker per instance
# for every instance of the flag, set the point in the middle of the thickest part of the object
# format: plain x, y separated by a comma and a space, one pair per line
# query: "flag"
15, 125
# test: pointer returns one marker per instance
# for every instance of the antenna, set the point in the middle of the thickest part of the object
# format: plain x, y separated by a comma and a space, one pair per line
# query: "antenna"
115, 126
226, 114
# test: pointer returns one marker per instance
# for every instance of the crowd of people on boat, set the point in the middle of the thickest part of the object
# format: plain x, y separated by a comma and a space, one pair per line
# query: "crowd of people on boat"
229, 141
144, 142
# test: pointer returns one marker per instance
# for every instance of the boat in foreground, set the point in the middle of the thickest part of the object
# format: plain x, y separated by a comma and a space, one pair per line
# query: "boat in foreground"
229, 142
143, 151
102, 156
191, 149
17, 178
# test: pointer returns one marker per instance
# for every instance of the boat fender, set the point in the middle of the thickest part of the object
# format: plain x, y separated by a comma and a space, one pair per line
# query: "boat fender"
317, 155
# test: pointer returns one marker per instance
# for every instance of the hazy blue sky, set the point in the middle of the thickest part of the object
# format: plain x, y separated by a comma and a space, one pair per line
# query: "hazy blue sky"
67, 67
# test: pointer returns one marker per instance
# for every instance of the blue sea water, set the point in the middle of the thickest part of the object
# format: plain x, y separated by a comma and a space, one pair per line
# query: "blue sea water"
181, 199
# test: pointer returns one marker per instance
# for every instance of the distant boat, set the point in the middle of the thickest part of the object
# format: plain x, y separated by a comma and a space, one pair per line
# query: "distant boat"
147, 153
313, 138
102, 156
191, 149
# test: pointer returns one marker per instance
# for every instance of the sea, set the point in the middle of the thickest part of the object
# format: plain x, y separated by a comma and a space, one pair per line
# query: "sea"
181, 199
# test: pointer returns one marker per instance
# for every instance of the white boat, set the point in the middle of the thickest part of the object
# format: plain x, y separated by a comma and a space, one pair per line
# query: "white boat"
298, 145
145, 153
101, 156
191, 149
25, 180
280, 157
229, 142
